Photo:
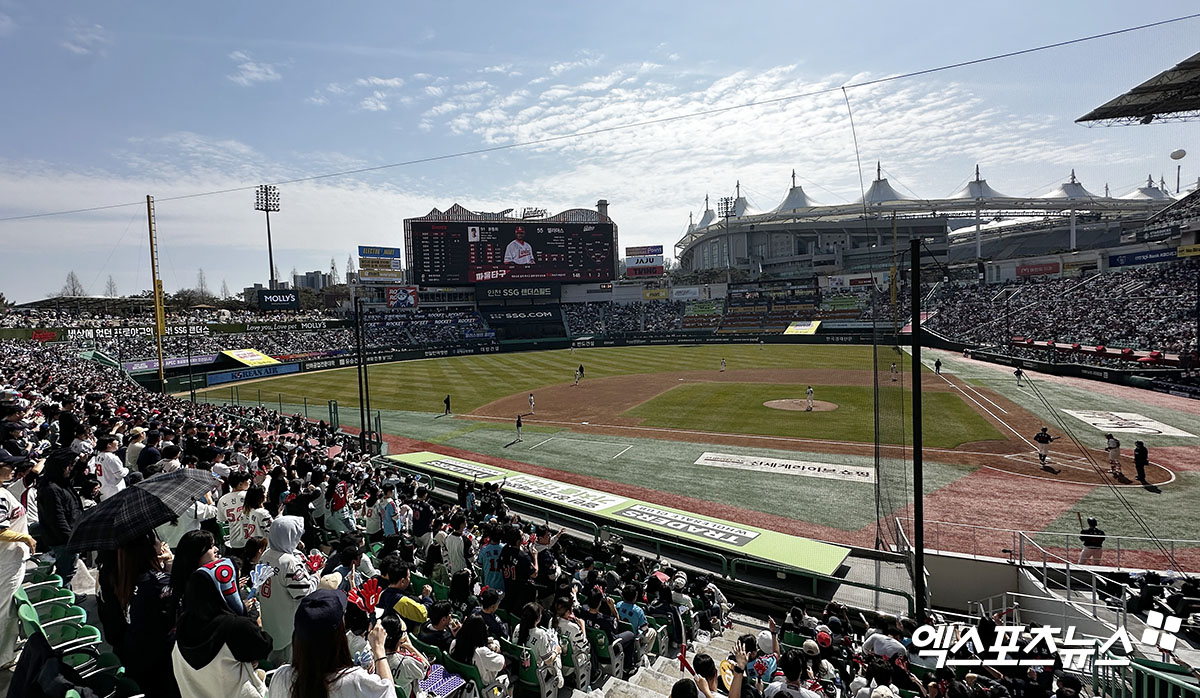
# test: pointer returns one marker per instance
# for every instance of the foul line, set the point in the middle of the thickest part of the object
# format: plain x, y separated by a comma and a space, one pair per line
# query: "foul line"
619, 454
968, 386
991, 414
540, 443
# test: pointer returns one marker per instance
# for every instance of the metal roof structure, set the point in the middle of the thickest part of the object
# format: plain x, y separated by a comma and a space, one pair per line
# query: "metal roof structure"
975, 197
1172, 95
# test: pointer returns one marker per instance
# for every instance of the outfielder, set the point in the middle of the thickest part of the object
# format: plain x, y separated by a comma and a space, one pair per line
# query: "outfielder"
722, 364
1043, 440
895, 372
808, 403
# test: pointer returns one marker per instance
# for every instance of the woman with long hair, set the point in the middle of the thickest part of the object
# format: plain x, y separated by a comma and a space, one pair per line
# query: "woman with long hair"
321, 665
407, 663
196, 548
217, 647
473, 646
252, 519
531, 632
143, 591
569, 626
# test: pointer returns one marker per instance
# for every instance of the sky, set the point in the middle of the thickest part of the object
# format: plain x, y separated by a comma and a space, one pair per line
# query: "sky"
104, 103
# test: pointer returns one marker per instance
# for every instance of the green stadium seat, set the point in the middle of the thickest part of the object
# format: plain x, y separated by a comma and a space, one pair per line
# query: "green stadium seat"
431, 653
532, 679
611, 655
469, 672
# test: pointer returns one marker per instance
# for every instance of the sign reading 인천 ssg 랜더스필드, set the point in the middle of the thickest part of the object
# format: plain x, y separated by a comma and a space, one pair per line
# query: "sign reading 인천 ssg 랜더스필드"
648, 518
1126, 422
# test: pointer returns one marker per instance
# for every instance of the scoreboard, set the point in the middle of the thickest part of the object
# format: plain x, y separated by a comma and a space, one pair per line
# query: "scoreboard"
471, 252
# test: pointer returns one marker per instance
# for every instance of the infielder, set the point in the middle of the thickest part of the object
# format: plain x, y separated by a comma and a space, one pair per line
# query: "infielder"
581, 371
576, 376
808, 403
1043, 439
531, 403
1114, 454
722, 364
447, 401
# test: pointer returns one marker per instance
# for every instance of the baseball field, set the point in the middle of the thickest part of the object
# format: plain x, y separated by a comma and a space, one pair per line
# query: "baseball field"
666, 424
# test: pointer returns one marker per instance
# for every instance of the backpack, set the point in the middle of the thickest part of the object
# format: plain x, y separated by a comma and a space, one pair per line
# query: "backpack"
412, 610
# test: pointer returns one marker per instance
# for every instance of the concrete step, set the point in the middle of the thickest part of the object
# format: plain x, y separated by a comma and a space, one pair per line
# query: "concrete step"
656, 681
618, 688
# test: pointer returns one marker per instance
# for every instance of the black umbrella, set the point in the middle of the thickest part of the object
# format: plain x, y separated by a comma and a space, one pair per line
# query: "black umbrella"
136, 510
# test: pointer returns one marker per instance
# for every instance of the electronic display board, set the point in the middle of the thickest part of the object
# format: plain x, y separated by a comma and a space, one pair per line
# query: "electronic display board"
470, 252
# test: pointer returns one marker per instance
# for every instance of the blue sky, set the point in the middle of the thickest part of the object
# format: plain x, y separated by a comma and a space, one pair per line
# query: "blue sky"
107, 102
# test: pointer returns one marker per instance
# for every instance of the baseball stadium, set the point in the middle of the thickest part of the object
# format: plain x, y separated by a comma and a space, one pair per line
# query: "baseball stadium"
892, 424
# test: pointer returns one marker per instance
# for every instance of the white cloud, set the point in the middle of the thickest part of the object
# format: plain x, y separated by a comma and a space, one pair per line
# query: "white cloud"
7, 25
586, 60
86, 38
376, 101
433, 91
501, 68
379, 82
318, 99
251, 72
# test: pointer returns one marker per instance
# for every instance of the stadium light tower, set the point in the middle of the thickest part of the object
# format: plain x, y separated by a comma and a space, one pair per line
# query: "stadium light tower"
266, 199
726, 207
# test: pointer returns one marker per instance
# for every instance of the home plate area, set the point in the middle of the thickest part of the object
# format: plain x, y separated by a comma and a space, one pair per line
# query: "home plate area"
795, 404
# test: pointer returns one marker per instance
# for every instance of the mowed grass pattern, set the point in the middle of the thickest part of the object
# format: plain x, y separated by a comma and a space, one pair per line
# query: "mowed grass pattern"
474, 381
738, 408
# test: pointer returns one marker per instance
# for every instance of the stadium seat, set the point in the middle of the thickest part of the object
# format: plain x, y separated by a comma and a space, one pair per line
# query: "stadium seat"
532, 678
45, 595
432, 653
611, 655
475, 679
41, 580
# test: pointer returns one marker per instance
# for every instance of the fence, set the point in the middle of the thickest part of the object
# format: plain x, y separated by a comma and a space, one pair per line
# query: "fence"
1121, 553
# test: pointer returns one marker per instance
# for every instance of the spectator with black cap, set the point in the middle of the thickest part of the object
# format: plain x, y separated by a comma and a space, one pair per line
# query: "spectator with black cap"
321, 665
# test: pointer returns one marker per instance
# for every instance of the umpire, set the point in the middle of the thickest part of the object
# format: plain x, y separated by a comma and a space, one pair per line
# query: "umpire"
1141, 458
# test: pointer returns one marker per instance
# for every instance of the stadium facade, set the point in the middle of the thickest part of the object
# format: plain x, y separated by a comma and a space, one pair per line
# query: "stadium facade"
801, 237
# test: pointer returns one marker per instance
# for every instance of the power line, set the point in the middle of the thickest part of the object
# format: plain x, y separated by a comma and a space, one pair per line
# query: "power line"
625, 127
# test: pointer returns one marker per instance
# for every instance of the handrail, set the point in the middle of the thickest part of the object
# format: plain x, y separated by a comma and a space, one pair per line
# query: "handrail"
817, 576
659, 542
1135, 680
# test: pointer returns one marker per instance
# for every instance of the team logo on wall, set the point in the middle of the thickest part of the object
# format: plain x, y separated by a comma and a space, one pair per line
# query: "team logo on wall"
402, 297
1126, 422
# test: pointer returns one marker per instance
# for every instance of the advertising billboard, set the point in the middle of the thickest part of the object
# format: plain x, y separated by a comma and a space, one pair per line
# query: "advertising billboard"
477, 252
278, 300
402, 297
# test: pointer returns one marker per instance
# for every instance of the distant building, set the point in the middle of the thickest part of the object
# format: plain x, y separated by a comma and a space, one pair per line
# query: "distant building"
316, 280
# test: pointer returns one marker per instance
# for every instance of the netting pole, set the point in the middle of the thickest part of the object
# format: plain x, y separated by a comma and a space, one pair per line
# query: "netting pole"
306, 407
917, 457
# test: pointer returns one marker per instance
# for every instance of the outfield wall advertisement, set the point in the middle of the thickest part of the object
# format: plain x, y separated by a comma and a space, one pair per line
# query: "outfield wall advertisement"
653, 519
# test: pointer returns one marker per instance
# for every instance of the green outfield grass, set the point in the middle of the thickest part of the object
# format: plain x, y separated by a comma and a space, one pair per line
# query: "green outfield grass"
474, 381
738, 408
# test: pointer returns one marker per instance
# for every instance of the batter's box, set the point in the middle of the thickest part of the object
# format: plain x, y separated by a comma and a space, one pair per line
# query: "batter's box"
570, 445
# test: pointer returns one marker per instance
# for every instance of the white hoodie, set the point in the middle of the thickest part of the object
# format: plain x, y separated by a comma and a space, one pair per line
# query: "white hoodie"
280, 595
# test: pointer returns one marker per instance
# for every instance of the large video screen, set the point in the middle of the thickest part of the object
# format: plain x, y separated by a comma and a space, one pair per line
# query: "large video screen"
468, 253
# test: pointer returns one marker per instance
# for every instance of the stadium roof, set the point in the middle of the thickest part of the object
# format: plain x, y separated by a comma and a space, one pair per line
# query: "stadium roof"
1172, 95
976, 196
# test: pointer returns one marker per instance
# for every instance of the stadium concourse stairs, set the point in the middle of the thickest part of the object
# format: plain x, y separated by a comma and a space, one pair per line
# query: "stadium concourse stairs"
656, 679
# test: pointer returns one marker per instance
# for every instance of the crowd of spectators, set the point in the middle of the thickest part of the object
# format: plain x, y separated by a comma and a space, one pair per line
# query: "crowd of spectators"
1149, 307
69, 317
618, 318
303, 540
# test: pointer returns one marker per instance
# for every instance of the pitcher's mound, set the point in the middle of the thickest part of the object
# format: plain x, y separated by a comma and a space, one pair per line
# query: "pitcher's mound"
800, 405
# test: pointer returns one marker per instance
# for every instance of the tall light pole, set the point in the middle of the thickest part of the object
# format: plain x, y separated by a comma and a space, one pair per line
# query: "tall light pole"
266, 199
726, 206
1178, 155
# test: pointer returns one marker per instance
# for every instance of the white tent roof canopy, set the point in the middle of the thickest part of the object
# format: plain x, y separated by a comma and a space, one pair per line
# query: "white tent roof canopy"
1150, 192
978, 189
1070, 190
